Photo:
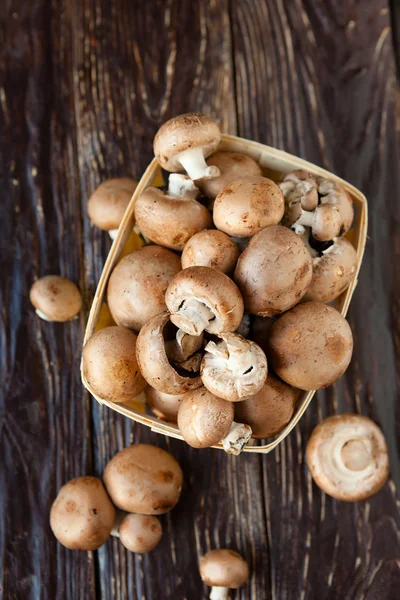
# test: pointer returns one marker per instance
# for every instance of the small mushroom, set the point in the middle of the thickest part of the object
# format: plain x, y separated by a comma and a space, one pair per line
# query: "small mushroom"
82, 515
205, 420
347, 457
300, 186
223, 569
143, 479
137, 285
55, 298
161, 371
325, 221
202, 298
211, 248
247, 205
139, 533
110, 366
274, 272
234, 368
232, 166
172, 218
108, 203
310, 346
164, 406
332, 272
270, 410
184, 142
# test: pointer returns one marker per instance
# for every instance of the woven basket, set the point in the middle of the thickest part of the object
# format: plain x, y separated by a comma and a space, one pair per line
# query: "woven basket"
275, 165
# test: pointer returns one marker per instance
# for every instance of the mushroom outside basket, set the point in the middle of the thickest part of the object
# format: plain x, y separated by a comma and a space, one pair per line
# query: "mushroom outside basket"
275, 164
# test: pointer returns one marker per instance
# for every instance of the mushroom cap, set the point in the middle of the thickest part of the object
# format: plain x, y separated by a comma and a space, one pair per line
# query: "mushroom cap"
137, 285
274, 271
144, 479
56, 298
347, 457
224, 568
210, 248
204, 419
327, 222
185, 132
110, 365
334, 193
233, 369
153, 360
310, 346
164, 406
214, 289
332, 272
232, 166
168, 221
82, 515
140, 533
270, 410
247, 205
301, 187
109, 201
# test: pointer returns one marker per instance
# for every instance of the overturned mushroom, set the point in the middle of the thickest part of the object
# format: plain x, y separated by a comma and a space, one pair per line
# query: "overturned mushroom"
202, 298
270, 410
234, 368
108, 203
156, 340
184, 142
164, 406
139, 533
232, 166
205, 420
347, 457
172, 218
137, 285
274, 272
55, 298
223, 569
153, 494
82, 515
211, 248
310, 346
110, 366
247, 205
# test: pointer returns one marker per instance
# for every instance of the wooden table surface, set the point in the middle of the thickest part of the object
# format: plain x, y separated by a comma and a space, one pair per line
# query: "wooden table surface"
84, 85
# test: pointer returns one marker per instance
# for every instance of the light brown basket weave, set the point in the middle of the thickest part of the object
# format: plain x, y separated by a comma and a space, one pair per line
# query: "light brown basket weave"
275, 165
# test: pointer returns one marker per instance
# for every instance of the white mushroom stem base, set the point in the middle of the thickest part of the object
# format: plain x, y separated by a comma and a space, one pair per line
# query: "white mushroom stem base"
306, 219
219, 593
232, 353
236, 440
181, 186
304, 234
183, 346
193, 317
113, 233
194, 163
119, 517
42, 315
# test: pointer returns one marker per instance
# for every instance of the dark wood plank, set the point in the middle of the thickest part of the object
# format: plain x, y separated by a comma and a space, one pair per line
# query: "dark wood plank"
318, 80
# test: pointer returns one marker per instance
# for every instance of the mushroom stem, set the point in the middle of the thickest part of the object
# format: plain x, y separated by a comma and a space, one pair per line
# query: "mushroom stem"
304, 234
219, 593
42, 315
195, 165
234, 352
183, 346
237, 438
119, 517
181, 186
307, 218
113, 233
193, 317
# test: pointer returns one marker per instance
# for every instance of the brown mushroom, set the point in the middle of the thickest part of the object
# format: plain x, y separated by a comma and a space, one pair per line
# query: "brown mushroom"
184, 142
211, 248
247, 205
110, 366
137, 285
232, 166
325, 221
310, 346
108, 203
205, 420
143, 479
172, 218
164, 406
274, 272
139, 533
55, 298
160, 371
82, 515
347, 457
332, 272
234, 368
300, 186
223, 569
202, 298
270, 410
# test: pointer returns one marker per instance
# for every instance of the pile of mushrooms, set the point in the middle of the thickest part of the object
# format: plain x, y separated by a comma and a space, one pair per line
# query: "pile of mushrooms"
227, 249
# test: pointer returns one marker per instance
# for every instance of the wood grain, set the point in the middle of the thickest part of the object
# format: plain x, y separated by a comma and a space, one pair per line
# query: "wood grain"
84, 85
